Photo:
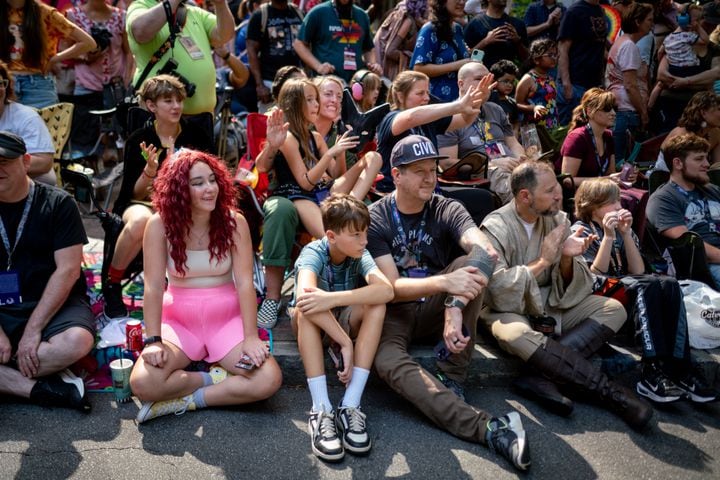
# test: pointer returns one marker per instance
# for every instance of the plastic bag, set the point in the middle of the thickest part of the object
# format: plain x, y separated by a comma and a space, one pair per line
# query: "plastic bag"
703, 314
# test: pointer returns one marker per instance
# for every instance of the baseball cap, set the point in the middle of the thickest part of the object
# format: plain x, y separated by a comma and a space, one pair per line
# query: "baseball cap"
11, 146
414, 148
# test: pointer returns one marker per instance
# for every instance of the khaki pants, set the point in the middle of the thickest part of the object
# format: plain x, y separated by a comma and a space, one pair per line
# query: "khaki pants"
409, 321
515, 335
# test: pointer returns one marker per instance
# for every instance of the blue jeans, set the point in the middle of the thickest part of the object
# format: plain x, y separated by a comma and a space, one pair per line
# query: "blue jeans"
715, 272
36, 90
565, 107
626, 121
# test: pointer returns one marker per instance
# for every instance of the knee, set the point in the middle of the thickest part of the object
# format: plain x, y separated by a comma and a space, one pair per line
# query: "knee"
517, 338
613, 314
135, 225
269, 382
142, 386
373, 161
78, 341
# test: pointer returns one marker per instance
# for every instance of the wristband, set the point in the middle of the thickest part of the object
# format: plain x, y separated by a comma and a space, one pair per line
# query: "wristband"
151, 340
148, 175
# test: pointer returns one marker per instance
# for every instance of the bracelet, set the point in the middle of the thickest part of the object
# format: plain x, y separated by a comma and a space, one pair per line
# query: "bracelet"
148, 175
309, 181
151, 340
226, 56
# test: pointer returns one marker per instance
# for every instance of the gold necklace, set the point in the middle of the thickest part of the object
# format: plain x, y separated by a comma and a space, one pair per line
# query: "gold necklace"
198, 238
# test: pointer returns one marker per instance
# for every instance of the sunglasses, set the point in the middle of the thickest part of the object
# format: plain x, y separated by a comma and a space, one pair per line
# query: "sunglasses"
608, 109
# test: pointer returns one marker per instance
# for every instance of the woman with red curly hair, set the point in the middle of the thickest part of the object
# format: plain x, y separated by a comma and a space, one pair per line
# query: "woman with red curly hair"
209, 309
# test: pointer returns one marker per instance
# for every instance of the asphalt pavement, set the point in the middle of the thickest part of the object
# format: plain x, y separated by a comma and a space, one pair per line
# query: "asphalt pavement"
270, 441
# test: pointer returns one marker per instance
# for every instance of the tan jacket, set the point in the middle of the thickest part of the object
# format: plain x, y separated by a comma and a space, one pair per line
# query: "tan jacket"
513, 288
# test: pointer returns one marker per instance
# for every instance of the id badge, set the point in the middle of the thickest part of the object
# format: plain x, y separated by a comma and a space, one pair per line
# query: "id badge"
321, 194
349, 61
10, 288
495, 150
191, 48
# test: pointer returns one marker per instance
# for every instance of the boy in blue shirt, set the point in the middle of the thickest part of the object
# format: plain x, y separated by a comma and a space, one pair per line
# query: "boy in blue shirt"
329, 298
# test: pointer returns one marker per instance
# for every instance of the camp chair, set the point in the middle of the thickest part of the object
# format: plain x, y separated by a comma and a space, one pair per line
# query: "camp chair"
58, 119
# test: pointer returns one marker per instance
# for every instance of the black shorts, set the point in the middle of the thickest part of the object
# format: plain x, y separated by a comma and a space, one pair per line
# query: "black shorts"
74, 313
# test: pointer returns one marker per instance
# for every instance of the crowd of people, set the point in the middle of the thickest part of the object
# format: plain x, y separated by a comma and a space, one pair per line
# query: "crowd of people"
400, 252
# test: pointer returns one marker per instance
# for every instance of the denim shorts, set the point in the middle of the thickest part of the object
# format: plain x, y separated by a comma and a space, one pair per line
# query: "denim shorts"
36, 89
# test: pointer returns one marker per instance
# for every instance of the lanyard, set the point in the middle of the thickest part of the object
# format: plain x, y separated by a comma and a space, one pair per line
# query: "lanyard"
615, 257
602, 166
712, 226
20, 228
401, 231
480, 126
346, 31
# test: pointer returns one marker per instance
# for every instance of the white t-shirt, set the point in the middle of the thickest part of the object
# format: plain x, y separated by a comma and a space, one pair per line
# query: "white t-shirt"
26, 123
624, 56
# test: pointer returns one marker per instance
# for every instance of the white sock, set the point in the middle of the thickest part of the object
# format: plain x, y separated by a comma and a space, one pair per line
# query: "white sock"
319, 394
354, 391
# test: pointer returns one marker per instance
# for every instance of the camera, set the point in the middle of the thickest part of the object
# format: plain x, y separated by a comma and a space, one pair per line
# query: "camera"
170, 68
101, 36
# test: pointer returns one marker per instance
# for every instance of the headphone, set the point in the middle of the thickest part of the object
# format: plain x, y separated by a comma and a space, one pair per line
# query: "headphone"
357, 88
683, 19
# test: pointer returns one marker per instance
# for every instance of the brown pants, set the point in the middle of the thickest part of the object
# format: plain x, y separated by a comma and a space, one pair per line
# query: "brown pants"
409, 321
515, 335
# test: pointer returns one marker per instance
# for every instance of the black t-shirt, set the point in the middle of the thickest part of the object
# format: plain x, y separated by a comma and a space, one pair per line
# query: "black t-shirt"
386, 141
276, 43
445, 223
479, 28
53, 223
586, 26
190, 137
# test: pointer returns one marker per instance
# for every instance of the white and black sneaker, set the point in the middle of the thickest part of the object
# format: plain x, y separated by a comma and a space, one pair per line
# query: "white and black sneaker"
506, 436
350, 423
695, 387
63, 389
325, 441
657, 386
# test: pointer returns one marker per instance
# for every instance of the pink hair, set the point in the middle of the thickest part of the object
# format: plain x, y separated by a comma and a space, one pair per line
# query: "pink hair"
171, 199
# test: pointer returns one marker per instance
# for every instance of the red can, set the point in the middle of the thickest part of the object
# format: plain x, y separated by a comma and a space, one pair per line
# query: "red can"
133, 335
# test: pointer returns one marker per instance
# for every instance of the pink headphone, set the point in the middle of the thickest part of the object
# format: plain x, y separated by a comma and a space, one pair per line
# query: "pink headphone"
357, 88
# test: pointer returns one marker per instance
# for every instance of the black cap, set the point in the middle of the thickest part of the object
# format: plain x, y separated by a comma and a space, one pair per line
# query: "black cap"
414, 148
11, 146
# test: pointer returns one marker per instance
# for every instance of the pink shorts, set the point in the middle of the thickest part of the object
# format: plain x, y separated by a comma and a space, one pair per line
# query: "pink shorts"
205, 323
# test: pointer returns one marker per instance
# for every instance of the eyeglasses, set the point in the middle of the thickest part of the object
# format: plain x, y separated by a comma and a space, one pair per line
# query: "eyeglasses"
4, 83
608, 109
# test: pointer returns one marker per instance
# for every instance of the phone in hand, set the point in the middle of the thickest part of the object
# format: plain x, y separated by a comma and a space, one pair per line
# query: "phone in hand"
441, 351
245, 363
336, 356
477, 55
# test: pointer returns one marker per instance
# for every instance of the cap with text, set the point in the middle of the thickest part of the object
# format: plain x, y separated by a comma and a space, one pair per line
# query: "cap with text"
414, 148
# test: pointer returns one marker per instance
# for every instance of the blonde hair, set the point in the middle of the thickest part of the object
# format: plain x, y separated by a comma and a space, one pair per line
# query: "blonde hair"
593, 194
592, 101
162, 86
292, 102
402, 85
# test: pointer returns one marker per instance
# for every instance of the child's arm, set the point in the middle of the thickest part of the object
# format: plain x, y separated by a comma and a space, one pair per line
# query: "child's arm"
703, 38
338, 164
525, 89
316, 306
307, 178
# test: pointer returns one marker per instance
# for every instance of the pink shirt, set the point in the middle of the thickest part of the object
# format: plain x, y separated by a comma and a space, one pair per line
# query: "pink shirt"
625, 56
112, 60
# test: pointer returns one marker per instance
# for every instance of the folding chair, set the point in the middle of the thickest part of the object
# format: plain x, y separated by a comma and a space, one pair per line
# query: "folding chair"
58, 119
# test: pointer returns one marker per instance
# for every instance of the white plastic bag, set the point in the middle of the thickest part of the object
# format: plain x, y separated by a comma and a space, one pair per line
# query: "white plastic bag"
703, 314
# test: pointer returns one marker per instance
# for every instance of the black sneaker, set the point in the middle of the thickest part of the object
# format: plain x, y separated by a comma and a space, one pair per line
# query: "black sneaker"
325, 442
657, 386
506, 436
61, 390
452, 385
350, 423
114, 306
695, 387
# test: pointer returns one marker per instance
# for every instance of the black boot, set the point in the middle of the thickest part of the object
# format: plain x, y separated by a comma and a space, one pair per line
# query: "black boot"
564, 365
587, 337
544, 392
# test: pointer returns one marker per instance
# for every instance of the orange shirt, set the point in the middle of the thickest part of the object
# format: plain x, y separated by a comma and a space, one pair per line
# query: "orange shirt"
56, 27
